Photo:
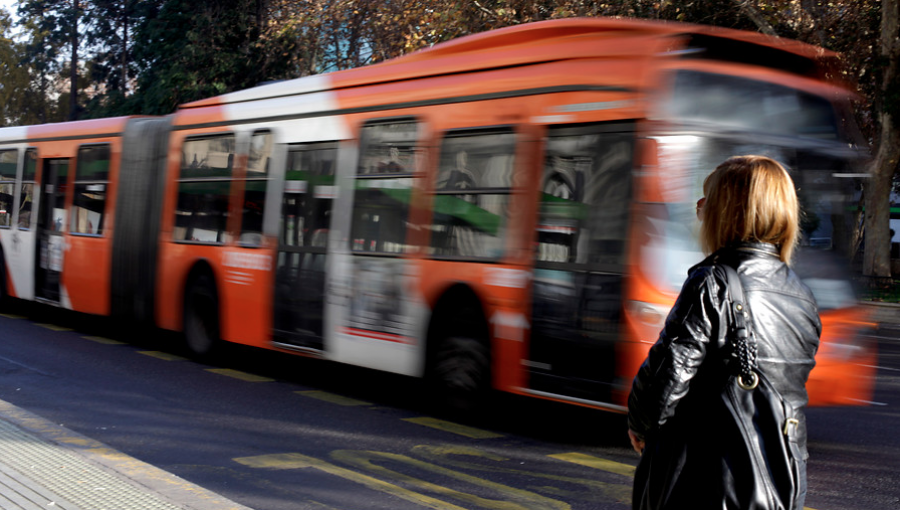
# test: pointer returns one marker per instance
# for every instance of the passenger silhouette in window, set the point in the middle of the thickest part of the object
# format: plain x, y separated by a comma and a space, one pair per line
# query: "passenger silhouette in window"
392, 165
461, 178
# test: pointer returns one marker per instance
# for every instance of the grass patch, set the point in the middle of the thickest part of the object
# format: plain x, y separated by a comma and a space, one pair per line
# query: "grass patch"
886, 290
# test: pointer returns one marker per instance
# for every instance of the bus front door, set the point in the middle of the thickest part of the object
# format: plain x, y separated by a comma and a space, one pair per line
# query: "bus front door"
580, 260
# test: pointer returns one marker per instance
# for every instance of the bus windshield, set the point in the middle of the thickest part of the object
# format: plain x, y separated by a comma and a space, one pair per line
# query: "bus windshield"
824, 200
739, 104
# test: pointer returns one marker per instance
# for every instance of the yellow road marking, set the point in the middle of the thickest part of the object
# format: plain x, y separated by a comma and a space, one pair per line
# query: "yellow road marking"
299, 461
571, 488
162, 355
596, 463
102, 340
11, 316
237, 374
333, 398
454, 428
511, 499
321, 505
53, 327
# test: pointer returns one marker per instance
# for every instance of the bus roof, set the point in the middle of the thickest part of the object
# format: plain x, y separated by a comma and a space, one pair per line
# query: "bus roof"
547, 41
64, 130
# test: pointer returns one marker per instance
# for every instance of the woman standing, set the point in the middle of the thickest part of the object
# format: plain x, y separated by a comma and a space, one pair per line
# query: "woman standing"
698, 451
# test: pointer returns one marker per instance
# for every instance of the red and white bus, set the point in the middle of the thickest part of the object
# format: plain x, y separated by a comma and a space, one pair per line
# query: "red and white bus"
510, 210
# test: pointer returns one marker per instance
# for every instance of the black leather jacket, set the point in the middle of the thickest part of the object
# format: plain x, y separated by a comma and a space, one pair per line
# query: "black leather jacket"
681, 378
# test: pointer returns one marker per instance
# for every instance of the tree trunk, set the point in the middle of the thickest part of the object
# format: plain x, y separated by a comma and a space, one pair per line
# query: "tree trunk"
877, 260
73, 73
125, 14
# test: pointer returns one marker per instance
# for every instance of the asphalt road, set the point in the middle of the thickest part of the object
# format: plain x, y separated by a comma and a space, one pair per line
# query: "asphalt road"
275, 432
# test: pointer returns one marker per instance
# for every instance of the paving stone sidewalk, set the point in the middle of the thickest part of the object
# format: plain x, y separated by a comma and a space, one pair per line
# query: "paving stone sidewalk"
45, 466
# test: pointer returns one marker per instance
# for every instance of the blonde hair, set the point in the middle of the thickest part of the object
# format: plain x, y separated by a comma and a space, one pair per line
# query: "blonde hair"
750, 198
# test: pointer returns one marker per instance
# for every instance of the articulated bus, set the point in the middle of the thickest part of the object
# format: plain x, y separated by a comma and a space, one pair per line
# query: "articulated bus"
512, 210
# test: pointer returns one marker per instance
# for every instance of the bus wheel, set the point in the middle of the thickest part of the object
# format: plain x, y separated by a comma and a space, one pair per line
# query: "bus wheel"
201, 316
461, 374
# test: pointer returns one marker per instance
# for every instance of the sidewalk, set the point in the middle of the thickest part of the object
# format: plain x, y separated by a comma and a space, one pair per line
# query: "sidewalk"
46, 466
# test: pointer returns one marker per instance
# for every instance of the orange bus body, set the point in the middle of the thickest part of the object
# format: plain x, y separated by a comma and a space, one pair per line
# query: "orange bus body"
510, 203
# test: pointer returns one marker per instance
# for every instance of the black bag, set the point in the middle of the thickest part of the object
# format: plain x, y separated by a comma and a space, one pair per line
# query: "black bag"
734, 446
766, 421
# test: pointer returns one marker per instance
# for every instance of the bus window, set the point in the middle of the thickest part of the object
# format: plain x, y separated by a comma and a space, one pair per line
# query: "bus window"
8, 161
309, 191
26, 198
204, 188
255, 188
383, 187
471, 196
91, 181
585, 194
53, 202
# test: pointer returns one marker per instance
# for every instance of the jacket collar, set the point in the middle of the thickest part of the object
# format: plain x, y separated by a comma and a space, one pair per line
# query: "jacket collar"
751, 248
756, 248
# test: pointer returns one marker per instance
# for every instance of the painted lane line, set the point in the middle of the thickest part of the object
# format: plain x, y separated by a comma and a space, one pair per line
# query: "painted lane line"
867, 402
102, 340
165, 356
453, 428
881, 368
591, 461
300, 461
237, 374
53, 327
880, 337
11, 316
333, 398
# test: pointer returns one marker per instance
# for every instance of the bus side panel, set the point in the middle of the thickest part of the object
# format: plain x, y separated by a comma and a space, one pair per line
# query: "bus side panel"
85, 274
18, 251
245, 281
365, 293
843, 374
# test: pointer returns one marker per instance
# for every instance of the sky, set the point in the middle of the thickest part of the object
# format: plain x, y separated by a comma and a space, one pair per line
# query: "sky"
11, 6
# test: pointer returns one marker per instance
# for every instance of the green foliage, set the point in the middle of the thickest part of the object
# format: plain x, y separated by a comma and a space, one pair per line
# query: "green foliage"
15, 79
190, 50
885, 290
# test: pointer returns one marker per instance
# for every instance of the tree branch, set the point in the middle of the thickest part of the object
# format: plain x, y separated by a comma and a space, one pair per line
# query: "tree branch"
482, 8
757, 19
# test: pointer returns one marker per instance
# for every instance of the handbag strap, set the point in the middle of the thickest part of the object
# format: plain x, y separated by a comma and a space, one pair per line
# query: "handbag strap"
743, 341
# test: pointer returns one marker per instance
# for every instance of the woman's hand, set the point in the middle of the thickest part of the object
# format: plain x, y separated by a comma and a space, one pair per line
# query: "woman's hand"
636, 442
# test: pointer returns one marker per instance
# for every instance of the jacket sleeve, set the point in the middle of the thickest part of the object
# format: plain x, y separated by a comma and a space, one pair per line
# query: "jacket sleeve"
665, 376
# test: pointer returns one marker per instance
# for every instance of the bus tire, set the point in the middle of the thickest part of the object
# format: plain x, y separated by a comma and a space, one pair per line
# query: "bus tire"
461, 375
201, 316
